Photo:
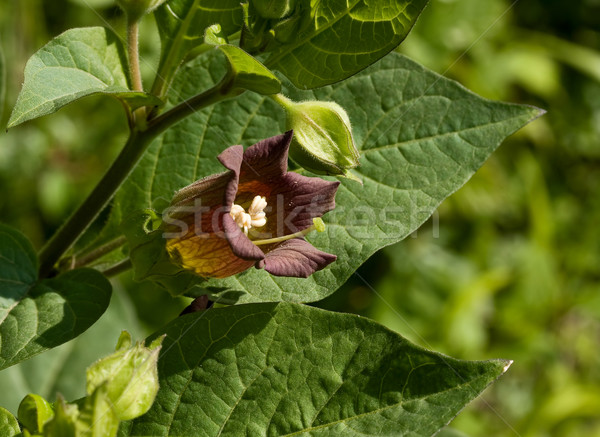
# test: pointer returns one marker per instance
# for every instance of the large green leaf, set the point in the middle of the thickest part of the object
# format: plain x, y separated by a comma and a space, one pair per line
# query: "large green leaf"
78, 63
288, 369
420, 137
39, 315
343, 37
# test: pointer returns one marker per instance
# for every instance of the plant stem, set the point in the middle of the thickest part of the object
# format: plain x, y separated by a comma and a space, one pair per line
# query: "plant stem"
68, 233
133, 49
134, 54
120, 267
98, 252
133, 150
219, 92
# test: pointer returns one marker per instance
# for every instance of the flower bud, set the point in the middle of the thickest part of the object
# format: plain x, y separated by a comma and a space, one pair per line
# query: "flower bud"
323, 140
130, 375
136, 9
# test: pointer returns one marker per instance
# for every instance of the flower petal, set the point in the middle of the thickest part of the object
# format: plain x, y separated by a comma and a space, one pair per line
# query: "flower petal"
304, 198
295, 258
267, 158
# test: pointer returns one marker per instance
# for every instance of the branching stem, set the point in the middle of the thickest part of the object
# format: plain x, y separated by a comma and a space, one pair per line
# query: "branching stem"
133, 150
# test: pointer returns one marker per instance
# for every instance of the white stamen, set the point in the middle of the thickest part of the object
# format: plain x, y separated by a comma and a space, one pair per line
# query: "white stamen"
254, 218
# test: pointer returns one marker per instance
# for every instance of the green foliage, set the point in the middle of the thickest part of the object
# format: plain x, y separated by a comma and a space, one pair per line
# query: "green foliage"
338, 39
456, 132
39, 315
34, 412
248, 73
9, 426
78, 63
182, 24
261, 367
121, 386
61, 369
275, 369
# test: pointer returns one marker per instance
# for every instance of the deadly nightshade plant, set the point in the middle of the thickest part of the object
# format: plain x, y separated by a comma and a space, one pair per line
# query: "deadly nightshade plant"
262, 363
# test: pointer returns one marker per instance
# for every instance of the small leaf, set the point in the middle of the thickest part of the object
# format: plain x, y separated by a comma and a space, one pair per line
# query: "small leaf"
78, 63
342, 38
248, 73
214, 35
9, 427
39, 315
34, 412
288, 369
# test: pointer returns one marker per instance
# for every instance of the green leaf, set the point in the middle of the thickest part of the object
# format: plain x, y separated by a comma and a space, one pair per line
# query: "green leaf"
420, 138
248, 73
78, 63
9, 427
182, 23
283, 369
39, 315
62, 369
343, 37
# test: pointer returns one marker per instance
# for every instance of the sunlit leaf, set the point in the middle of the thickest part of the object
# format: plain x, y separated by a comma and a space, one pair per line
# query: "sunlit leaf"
9, 427
248, 73
39, 315
342, 38
78, 63
288, 369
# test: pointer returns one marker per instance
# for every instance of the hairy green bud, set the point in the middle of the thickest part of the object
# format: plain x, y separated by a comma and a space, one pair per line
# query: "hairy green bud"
130, 377
323, 140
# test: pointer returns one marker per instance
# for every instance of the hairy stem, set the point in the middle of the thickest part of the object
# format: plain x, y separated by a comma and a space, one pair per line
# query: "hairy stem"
134, 54
135, 147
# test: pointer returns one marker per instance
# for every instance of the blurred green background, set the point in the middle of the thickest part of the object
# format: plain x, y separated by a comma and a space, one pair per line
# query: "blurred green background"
509, 266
